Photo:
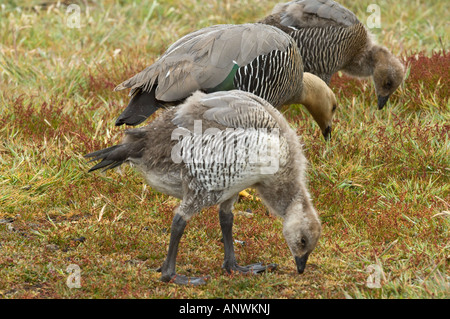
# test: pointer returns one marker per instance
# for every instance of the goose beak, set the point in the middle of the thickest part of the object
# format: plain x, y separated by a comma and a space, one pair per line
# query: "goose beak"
301, 263
327, 133
382, 101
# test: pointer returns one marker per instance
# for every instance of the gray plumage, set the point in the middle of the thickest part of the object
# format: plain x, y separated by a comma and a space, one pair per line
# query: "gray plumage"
318, 13
206, 151
255, 58
331, 38
249, 57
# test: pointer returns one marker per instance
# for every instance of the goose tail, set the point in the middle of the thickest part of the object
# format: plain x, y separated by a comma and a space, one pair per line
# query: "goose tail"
111, 157
141, 106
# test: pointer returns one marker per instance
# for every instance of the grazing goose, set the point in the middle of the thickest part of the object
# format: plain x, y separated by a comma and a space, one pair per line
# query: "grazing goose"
207, 150
255, 58
331, 38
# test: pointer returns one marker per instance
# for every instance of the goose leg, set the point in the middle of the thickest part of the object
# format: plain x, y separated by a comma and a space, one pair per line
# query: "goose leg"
168, 273
226, 224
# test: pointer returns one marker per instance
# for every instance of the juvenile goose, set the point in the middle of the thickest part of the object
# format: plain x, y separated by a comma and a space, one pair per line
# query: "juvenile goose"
255, 58
204, 152
331, 38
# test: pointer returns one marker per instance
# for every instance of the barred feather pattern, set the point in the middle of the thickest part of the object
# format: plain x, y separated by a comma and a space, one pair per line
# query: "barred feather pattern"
228, 158
326, 50
275, 77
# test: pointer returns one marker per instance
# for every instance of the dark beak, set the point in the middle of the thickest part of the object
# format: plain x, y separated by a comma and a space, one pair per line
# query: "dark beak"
301, 263
382, 101
327, 133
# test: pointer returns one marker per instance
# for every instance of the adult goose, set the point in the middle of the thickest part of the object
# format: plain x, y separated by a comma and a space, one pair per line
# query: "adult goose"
256, 58
331, 38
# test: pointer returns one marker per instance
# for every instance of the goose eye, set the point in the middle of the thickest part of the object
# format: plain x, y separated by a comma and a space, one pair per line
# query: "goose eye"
388, 85
303, 242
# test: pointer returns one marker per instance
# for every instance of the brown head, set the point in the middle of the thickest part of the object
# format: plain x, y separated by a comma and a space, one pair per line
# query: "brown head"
388, 74
320, 101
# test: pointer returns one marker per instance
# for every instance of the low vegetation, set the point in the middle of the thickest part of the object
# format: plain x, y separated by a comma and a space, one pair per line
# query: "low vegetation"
381, 184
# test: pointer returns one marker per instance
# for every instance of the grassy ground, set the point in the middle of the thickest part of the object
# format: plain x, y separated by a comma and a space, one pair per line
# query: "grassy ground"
381, 184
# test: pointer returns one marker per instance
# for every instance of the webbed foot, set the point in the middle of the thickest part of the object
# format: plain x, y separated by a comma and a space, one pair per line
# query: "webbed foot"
185, 280
250, 269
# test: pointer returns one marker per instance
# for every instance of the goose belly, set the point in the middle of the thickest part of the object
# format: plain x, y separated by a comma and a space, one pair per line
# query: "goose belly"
168, 183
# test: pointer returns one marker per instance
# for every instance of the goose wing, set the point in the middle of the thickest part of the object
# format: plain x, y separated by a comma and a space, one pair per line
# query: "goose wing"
203, 59
235, 157
229, 109
314, 13
239, 110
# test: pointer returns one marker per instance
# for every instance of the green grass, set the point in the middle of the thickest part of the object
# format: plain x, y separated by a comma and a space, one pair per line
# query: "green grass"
381, 184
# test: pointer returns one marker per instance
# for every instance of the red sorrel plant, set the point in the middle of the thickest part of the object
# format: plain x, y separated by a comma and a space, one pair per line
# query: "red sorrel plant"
428, 77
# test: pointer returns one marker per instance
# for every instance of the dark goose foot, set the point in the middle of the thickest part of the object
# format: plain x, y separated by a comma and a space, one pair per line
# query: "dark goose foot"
185, 280
251, 269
